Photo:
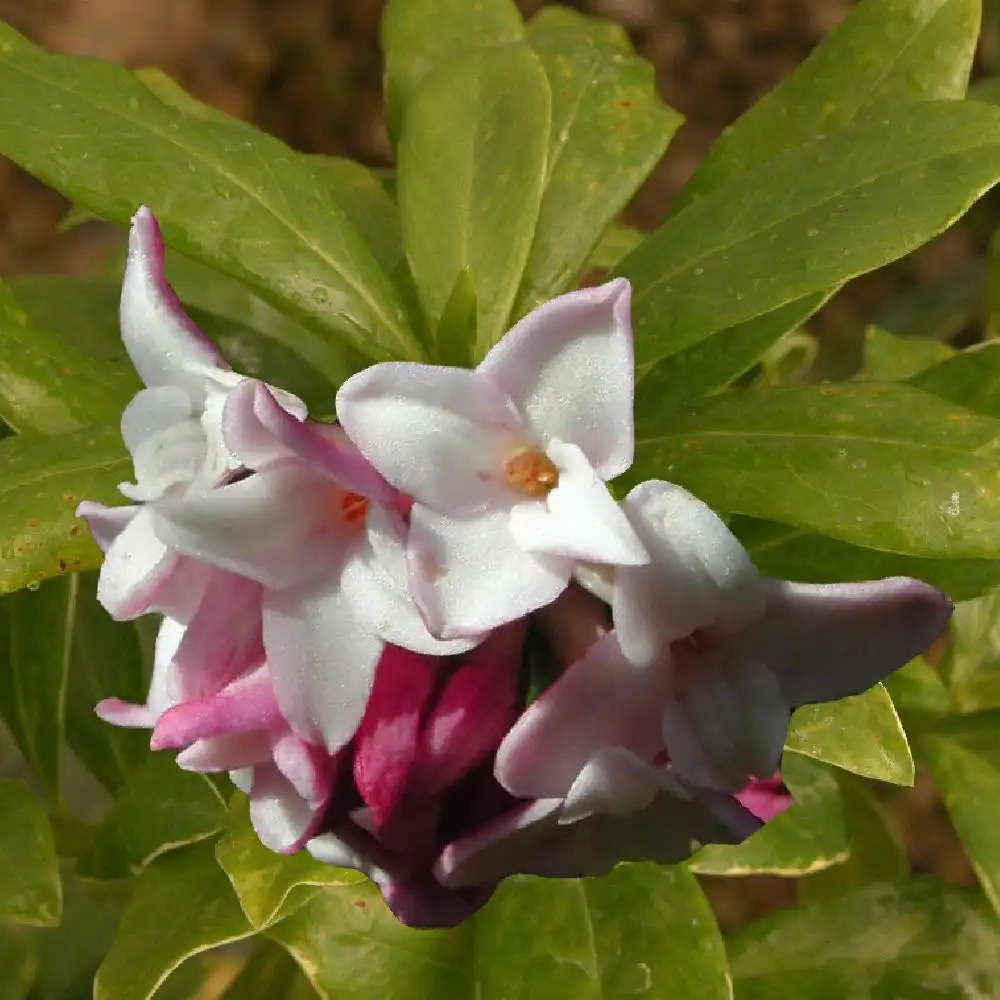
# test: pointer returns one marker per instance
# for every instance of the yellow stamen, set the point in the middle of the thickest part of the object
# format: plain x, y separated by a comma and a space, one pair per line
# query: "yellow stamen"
532, 473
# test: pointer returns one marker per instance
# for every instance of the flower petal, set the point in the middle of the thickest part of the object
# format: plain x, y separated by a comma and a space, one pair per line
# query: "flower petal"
441, 435
136, 568
828, 641
259, 431
468, 575
726, 724
322, 660
698, 576
106, 523
282, 819
165, 345
579, 518
615, 782
568, 368
228, 752
601, 701
278, 527
765, 797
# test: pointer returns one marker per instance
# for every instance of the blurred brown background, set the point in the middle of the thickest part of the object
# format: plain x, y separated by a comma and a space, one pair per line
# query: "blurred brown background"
309, 71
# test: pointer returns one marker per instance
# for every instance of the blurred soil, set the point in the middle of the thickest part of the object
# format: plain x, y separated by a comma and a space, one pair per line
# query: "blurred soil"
309, 71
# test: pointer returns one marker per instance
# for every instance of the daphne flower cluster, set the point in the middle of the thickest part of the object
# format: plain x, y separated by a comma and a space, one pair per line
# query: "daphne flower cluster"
353, 613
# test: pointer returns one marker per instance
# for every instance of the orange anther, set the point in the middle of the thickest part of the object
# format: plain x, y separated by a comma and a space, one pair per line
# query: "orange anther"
532, 473
353, 507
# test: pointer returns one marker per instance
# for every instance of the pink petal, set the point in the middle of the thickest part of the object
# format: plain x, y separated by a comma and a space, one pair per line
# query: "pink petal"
600, 701
136, 567
164, 344
423, 902
468, 575
441, 435
260, 432
282, 819
765, 798
698, 576
246, 704
727, 722
223, 638
569, 370
278, 527
105, 523
124, 714
828, 641
579, 519
322, 660
227, 752
310, 769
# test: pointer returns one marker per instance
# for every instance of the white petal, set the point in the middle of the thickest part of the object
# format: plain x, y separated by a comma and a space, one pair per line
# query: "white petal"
374, 580
600, 701
278, 527
468, 575
282, 819
568, 368
699, 575
322, 660
440, 434
579, 518
135, 568
228, 752
727, 724
162, 687
161, 339
106, 523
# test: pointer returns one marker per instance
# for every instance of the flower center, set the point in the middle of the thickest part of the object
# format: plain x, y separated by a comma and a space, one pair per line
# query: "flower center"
353, 507
532, 473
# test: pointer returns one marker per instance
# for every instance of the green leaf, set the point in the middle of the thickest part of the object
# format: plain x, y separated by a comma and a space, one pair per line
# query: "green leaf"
419, 35
39, 627
918, 687
970, 378
609, 129
972, 665
970, 787
30, 890
889, 358
939, 308
807, 837
224, 192
874, 853
884, 466
891, 941
182, 905
18, 963
261, 879
471, 168
106, 661
884, 52
48, 385
641, 929
614, 245
44, 479
974, 731
784, 552
159, 809
269, 974
810, 218
861, 734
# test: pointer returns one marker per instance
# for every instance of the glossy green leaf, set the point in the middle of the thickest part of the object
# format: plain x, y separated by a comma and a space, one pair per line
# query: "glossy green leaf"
918, 687
44, 479
807, 837
106, 661
419, 35
33, 675
269, 974
471, 168
810, 218
641, 929
972, 664
30, 890
861, 734
159, 809
889, 358
971, 378
182, 905
609, 129
976, 732
884, 52
261, 879
937, 308
616, 243
18, 963
891, 941
48, 385
224, 192
874, 853
970, 787
788, 553
884, 466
